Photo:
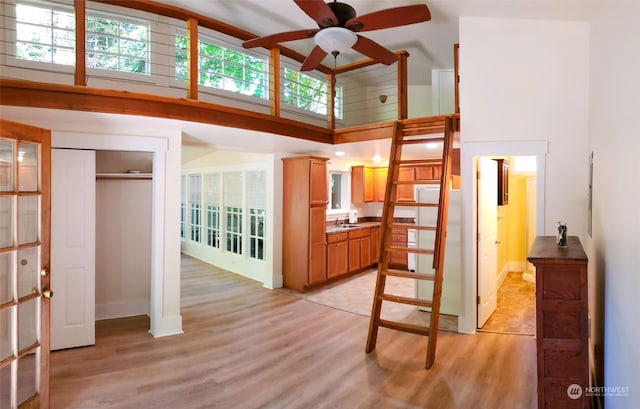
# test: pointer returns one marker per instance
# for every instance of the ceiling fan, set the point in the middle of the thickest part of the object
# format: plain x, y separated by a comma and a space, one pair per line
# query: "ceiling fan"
338, 28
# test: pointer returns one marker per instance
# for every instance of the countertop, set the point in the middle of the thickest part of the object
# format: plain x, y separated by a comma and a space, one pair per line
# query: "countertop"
332, 228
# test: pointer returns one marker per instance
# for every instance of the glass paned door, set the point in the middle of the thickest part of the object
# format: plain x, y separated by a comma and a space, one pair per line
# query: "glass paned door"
25, 160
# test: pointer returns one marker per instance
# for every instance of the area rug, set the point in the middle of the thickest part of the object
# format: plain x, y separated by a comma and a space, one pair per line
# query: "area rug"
355, 295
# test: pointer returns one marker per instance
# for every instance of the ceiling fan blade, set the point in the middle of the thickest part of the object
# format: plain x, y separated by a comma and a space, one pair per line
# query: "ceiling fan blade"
374, 50
319, 11
314, 59
394, 17
273, 39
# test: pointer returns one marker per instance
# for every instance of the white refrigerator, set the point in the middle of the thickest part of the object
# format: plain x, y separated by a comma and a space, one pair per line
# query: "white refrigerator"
451, 286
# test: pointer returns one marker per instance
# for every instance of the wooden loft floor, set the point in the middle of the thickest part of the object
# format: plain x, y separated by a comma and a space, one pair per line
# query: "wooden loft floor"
245, 346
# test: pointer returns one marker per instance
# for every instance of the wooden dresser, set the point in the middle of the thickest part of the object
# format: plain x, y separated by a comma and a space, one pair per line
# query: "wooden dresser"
562, 334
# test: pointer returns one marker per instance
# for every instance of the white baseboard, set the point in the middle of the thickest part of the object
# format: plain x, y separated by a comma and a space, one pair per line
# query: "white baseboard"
166, 326
121, 309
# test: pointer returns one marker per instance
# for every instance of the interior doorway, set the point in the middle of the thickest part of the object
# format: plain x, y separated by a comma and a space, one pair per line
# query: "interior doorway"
506, 225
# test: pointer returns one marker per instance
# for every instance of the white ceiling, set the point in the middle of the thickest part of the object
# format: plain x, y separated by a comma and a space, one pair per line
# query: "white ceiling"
429, 44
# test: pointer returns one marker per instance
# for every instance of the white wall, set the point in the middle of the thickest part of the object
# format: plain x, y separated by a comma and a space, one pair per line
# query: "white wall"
613, 250
268, 271
526, 82
123, 248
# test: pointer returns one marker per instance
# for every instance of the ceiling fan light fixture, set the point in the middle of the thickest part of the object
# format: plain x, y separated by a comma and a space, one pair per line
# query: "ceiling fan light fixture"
335, 39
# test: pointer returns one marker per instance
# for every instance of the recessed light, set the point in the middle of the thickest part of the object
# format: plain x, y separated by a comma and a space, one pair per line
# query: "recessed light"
340, 153
377, 158
431, 145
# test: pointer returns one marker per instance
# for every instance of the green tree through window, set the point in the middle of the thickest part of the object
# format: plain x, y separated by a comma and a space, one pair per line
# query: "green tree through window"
223, 68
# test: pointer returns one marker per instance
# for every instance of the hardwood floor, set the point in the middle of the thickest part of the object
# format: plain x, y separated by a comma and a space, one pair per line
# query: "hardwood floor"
248, 347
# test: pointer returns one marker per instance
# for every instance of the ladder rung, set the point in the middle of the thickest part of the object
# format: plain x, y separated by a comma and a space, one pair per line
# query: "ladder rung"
419, 161
401, 326
426, 182
416, 204
412, 250
409, 274
405, 300
420, 140
411, 226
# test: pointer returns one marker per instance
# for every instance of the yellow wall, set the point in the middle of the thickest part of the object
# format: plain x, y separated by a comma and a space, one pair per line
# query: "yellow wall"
517, 216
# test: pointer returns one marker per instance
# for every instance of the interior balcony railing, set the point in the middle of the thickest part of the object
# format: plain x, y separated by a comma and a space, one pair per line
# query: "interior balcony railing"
187, 66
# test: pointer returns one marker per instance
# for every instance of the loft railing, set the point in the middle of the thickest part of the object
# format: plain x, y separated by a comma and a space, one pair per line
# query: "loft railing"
361, 104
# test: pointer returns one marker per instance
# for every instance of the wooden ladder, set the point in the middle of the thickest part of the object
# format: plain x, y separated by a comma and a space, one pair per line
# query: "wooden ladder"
410, 133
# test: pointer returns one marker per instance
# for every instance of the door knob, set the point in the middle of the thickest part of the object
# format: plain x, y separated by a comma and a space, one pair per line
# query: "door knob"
47, 293
44, 272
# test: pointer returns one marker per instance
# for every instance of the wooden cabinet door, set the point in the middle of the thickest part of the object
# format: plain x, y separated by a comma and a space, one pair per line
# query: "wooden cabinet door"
379, 184
354, 255
375, 245
424, 173
365, 251
405, 192
437, 172
318, 182
317, 245
337, 258
369, 185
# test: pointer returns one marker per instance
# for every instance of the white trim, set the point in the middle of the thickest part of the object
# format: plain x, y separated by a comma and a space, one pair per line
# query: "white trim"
163, 295
121, 309
469, 151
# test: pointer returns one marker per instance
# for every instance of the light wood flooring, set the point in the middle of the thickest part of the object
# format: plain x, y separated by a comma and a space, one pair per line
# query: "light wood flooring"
245, 346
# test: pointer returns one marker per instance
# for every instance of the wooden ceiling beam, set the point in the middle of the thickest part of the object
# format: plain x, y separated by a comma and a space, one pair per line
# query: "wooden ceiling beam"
69, 97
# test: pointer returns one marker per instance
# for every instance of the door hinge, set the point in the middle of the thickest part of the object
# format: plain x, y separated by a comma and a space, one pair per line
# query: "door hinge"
479, 300
478, 175
478, 236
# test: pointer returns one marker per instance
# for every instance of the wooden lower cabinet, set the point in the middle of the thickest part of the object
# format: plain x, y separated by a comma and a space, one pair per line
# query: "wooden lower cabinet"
562, 336
375, 245
337, 254
397, 259
359, 249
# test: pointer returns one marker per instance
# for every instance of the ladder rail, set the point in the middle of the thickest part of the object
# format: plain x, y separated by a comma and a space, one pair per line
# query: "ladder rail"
402, 130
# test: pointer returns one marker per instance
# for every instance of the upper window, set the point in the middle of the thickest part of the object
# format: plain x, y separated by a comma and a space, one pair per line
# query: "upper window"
119, 44
223, 68
45, 34
309, 93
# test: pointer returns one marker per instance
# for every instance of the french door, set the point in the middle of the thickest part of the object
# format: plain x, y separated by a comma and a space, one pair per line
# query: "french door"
25, 217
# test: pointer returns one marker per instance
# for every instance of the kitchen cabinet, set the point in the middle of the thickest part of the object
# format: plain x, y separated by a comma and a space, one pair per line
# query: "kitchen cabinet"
375, 244
405, 192
359, 249
368, 184
337, 254
304, 248
562, 335
397, 259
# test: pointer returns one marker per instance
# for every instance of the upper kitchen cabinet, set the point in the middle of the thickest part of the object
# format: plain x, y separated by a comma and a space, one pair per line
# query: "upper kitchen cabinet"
368, 184
303, 225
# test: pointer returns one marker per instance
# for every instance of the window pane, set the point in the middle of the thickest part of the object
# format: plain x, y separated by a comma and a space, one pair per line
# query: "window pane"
28, 271
6, 277
28, 217
5, 386
6, 165
6, 221
27, 324
27, 377
6, 323
28, 159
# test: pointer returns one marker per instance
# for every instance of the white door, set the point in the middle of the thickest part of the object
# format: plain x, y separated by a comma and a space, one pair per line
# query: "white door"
488, 234
73, 243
